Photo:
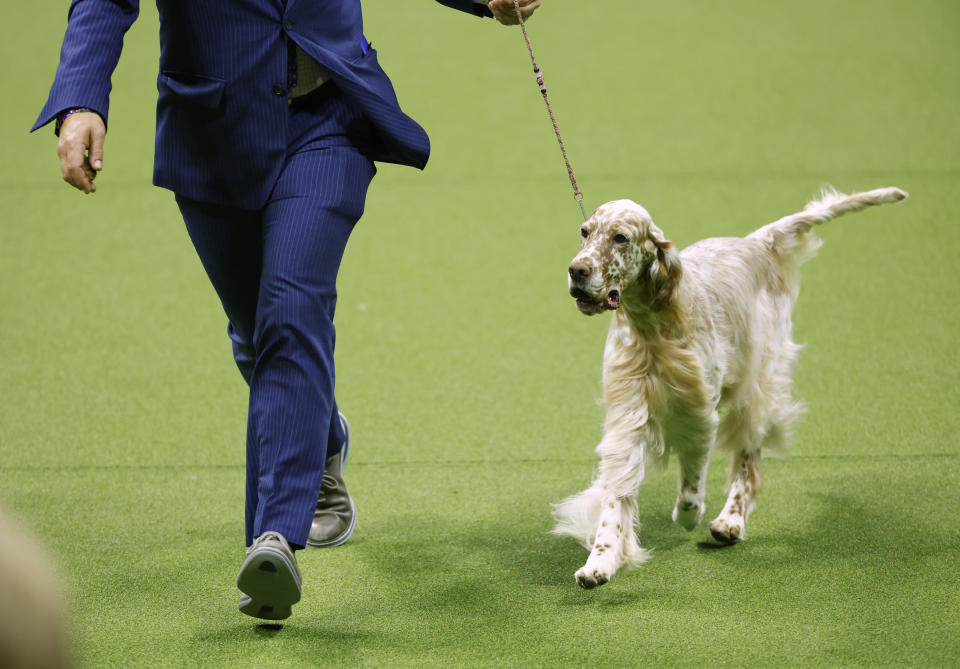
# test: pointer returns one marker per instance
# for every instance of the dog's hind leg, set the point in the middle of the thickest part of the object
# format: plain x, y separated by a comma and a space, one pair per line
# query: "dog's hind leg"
741, 435
730, 525
762, 422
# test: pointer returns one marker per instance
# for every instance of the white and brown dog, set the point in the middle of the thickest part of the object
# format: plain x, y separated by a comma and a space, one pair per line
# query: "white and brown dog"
699, 353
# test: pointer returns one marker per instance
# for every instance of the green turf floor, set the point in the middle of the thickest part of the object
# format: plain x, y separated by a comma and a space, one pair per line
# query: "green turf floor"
469, 377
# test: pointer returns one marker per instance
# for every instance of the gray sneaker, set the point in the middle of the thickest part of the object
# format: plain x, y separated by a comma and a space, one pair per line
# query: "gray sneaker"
335, 515
270, 578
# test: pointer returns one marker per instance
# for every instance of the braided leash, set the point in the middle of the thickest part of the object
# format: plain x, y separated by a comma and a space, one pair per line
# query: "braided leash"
556, 130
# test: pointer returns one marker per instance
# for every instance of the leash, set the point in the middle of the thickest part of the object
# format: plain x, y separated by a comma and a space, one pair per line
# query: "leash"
578, 196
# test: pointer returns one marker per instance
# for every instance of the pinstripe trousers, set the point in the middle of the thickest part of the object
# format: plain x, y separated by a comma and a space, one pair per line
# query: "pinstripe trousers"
275, 272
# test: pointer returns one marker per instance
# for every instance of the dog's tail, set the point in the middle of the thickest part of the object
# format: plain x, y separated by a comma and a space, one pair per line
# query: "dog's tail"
791, 237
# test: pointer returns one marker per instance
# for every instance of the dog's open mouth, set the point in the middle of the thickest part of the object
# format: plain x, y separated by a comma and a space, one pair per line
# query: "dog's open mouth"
590, 305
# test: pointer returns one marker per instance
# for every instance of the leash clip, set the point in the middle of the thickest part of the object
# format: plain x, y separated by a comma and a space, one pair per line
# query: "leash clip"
579, 198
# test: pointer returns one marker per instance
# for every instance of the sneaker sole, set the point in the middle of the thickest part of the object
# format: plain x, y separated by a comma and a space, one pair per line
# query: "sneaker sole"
270, 581
257, 609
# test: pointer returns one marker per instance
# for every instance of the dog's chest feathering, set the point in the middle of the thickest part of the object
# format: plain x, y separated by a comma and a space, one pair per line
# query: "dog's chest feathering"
665, 374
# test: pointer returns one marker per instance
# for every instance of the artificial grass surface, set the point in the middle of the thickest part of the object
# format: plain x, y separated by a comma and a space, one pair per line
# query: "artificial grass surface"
469, 378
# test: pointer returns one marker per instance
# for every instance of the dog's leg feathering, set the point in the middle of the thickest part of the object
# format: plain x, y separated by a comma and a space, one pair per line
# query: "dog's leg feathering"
605, 555
603, 516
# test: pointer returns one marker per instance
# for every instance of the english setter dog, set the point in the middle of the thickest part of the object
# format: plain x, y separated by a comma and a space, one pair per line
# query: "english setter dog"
699, 353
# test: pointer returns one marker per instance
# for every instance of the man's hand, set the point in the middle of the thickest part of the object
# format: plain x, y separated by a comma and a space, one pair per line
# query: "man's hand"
81, 149
506, 13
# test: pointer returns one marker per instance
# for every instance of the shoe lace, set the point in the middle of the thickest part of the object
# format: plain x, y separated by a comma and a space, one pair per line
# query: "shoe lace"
271, 536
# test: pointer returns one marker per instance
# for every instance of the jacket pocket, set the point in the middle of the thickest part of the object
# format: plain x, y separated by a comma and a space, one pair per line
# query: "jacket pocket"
200, 90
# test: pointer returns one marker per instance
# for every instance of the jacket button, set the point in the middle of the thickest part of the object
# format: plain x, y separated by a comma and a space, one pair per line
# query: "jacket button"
288, 25
278, 90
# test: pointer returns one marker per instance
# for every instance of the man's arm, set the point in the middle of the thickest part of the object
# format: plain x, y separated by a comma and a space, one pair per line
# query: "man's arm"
91, 49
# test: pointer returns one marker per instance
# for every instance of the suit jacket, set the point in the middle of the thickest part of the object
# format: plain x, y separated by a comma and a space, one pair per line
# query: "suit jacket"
222, 109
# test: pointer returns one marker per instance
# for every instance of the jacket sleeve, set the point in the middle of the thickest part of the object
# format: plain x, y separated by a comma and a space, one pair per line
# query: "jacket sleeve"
91, 49
478, 7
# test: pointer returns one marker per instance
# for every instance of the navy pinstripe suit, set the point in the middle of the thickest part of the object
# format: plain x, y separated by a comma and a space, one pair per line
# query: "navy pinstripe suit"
270, 191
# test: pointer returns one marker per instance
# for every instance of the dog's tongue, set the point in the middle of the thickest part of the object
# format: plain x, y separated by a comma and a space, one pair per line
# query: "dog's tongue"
613, 300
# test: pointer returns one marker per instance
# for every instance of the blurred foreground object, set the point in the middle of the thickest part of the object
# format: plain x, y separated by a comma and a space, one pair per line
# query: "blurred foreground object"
32, 619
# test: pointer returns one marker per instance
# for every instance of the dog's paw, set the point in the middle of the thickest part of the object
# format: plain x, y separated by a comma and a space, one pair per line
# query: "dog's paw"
727, 529
589, 577
688, 514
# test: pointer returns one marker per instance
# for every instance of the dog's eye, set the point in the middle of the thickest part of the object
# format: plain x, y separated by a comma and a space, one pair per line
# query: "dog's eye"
584, 233
620, 239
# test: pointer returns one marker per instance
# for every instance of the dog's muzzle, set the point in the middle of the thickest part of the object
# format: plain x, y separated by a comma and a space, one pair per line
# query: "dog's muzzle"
590, 305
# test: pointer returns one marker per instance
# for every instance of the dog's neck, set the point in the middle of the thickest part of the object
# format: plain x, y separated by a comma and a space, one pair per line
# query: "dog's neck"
667, 322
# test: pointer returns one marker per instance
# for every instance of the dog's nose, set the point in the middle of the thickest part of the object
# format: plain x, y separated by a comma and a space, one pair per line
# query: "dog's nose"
579, 270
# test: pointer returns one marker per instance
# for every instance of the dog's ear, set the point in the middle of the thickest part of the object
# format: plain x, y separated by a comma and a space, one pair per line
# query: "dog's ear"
664, 271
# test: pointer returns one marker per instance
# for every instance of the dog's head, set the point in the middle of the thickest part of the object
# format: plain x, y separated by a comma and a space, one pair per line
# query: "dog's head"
623, 253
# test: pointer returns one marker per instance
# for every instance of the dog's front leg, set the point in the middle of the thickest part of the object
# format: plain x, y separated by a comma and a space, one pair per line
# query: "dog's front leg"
604, 555
688, 511
622, 459
692, 439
